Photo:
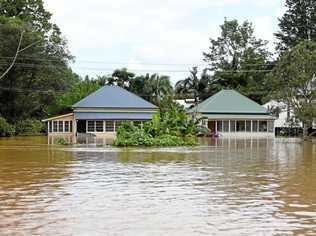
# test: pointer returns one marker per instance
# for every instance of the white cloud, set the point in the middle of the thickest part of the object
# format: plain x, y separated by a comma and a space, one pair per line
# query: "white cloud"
142, 31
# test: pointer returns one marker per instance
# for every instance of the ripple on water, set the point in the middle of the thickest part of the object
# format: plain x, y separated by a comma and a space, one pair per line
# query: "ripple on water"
260, 189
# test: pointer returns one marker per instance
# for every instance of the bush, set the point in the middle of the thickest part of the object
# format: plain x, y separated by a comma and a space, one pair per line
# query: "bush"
29, 127
62, 141
6, 129
129, 135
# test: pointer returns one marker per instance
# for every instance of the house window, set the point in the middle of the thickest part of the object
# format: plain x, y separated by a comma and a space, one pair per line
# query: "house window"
91, 126
232, 126
118, 124
66, 126
219, 126
240, 126
99, 126
109, 126
50, 127
271, 126
55, 125
226, 126
254, 126
263, 126
60, 126
248, 126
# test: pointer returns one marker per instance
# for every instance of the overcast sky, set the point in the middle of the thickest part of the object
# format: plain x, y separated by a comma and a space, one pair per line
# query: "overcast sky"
104, 35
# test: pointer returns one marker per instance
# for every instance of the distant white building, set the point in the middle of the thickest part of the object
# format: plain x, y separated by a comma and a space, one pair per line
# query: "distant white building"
284, 115
186, 103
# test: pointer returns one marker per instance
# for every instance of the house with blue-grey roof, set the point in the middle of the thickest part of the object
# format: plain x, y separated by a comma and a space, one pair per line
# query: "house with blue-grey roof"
101, 114
231, 114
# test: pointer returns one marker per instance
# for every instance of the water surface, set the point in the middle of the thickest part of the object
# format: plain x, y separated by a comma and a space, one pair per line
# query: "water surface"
224, 187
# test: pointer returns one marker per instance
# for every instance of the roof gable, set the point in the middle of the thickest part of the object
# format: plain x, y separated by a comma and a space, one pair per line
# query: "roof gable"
111, 96
229, 102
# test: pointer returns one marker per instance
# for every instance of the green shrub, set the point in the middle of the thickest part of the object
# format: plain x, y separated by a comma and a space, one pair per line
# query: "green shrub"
129, 135
62, 141
29, 127
6, 129
172, 128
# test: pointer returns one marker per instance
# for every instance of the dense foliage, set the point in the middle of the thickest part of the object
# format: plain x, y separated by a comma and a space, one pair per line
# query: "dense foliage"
294, 81
6, 130
297, 24
197, 87
239, 60
172, 128
29, 127
41, 70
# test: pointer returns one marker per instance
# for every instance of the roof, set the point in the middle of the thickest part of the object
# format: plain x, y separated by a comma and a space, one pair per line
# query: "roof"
113, 115
111, 96
58, 117
229, 102
238, 116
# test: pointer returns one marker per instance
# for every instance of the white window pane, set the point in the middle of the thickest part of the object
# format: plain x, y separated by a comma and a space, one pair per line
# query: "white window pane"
60, 126
66, 126
109, 126
99, 126
55, 125
91, 125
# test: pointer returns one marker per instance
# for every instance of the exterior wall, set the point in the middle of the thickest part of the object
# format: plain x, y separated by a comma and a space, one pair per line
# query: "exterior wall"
285, 117
92, 126
250, 128
61, 126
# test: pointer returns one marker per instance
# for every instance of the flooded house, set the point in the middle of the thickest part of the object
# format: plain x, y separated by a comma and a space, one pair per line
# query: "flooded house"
100, 114
231, 114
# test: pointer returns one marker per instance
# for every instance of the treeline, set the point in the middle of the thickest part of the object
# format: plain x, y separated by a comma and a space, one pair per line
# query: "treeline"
36, 80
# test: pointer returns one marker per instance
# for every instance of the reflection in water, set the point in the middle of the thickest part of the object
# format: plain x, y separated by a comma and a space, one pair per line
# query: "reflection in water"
224, 187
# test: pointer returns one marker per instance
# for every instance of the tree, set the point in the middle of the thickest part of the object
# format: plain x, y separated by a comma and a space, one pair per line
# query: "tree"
158, 86
41, 72
297, 24
198, 88
239, 60
294, 82
122, 77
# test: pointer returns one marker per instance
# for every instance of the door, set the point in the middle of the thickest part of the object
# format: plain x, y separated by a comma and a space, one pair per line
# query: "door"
211, 125
81, 126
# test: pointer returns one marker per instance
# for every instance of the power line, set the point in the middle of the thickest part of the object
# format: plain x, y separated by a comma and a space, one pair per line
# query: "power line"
26, 65
35, 58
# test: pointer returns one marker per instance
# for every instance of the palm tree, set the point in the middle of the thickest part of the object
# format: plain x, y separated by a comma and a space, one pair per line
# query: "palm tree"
199, 88
158, 86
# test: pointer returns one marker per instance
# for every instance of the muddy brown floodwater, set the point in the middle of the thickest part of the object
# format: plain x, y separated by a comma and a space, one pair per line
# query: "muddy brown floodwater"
223, 187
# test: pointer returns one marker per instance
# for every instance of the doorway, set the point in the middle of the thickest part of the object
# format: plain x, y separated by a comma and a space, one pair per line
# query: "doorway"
81, 126
211, 125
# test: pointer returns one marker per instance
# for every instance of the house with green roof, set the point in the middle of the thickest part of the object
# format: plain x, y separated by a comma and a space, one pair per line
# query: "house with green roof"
101, 113
231, 114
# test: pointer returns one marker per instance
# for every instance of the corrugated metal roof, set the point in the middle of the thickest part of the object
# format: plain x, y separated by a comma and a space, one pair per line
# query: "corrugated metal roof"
111, 96
113, 116
229, 101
